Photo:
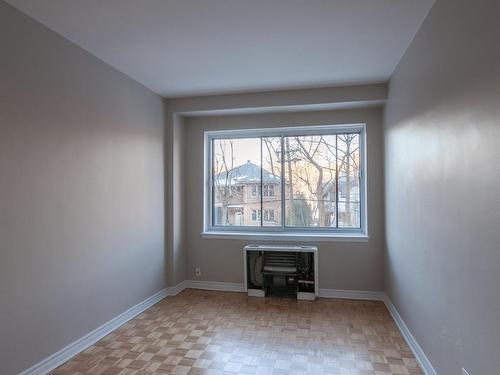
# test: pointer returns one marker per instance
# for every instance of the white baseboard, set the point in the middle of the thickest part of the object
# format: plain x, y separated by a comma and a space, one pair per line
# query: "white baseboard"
411, 341
55, 360
214, 285
352, 294
325, 293
174, 290
256, 293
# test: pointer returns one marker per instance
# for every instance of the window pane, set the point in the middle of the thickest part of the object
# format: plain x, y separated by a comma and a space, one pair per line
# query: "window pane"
271, 181
236, 171
320, 181
349, 181
310, 171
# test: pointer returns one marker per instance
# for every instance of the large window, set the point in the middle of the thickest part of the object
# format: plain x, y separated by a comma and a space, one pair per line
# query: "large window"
304, 179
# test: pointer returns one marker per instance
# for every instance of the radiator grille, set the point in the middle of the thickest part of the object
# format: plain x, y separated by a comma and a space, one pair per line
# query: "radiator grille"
280, 262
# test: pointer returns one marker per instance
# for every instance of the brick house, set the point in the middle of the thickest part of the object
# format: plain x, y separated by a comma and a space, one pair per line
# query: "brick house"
237, 196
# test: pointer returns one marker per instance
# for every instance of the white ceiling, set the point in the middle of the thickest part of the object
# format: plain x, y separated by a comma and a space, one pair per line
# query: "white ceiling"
195, 47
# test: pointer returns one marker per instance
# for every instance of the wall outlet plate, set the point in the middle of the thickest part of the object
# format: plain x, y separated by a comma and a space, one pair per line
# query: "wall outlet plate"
464, 371
197, 271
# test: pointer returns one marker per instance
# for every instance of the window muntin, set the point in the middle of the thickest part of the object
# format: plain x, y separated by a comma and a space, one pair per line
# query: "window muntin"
321, 171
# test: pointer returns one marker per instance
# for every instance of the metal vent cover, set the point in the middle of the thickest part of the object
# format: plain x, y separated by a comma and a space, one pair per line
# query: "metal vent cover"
280, 262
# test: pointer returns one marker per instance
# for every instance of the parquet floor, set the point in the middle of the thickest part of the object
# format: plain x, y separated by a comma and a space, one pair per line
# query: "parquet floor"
204, 332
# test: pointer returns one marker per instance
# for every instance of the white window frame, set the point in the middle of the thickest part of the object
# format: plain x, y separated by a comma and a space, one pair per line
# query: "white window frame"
255, 191
258, 214
267, 215
268, 188
283, 232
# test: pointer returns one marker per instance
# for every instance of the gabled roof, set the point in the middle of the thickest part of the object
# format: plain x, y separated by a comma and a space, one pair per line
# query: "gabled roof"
244, 174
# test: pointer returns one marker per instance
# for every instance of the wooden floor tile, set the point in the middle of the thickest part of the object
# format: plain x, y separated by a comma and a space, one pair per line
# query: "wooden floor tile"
205, 332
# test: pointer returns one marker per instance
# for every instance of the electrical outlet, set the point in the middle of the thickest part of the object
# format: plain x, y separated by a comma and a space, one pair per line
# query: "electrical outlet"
197, 271
464, 371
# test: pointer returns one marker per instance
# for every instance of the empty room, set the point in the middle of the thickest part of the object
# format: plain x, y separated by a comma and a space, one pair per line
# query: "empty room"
250, 187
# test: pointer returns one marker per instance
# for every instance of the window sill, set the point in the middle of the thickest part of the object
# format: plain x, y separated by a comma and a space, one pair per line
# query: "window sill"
344, 237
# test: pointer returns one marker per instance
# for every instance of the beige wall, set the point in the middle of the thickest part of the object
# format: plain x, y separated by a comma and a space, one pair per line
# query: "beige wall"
260, 102
81, 192
442, 140
343, 265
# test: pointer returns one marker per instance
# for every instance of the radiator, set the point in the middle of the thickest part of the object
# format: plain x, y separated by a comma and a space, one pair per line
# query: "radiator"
281, 270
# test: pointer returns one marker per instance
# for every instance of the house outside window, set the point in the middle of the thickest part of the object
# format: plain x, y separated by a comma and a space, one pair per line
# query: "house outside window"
311, 180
